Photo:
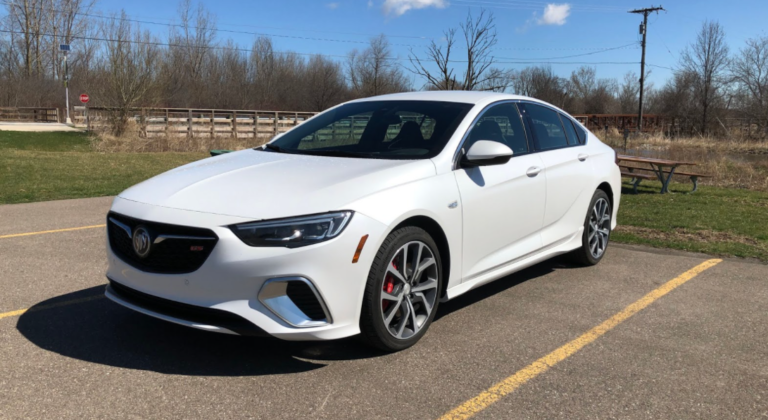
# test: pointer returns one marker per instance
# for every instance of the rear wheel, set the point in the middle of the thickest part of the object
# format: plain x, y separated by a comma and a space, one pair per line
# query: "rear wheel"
597, 231
402, 293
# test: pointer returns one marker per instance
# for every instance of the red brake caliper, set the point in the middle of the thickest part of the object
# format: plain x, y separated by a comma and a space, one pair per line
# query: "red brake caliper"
389, 286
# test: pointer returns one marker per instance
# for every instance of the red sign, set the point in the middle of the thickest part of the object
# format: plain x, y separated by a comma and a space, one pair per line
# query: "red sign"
84, 98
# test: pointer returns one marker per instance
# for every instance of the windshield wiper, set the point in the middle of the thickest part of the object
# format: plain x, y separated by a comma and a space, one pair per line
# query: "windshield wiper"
333, 153
274, 148
337, 153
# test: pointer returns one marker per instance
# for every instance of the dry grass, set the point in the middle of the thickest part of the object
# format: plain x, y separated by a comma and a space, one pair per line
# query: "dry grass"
688, 235
732, 163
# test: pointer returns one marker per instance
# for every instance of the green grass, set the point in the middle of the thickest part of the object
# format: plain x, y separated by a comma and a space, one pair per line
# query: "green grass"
719, 221
44, 142
54, 166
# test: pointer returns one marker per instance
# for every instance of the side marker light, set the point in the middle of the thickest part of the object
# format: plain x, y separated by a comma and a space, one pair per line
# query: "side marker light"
359, 249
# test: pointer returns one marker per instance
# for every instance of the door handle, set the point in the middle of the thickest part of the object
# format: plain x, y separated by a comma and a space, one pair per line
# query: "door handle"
533, 171
582, 157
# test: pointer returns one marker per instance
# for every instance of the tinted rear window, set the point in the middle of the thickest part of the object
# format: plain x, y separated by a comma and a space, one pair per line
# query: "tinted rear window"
546, 126
570, 131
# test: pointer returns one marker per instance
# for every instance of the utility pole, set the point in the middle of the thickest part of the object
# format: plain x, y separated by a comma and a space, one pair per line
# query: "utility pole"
643, 31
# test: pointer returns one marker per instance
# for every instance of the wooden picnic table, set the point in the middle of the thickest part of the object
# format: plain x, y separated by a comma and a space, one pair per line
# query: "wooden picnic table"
657, 167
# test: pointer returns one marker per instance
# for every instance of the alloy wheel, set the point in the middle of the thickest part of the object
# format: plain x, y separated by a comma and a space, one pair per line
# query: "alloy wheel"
409, 290
599, 227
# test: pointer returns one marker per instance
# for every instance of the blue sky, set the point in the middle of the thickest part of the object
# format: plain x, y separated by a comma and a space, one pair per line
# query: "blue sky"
528, 30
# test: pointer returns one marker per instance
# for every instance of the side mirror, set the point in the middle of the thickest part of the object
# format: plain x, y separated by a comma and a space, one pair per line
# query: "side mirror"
486, 153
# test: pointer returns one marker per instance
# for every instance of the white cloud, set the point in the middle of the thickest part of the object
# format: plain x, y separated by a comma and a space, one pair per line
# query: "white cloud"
332, 6
370, 3
399, 7
555, 14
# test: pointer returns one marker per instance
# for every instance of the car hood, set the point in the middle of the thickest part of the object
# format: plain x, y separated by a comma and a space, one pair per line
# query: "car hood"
264, 185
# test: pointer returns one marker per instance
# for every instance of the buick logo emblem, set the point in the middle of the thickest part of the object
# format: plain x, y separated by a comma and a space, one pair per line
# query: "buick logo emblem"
142, 242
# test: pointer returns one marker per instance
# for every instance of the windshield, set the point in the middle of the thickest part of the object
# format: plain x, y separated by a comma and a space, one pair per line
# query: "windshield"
377, 129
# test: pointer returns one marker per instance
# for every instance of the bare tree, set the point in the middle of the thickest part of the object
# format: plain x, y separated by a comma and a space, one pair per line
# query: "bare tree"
374, 71
324, 83
707, 59
66, 19
582, 86
497, 80
443, 78
227, 79
750, 72
628, 93
126, 69
479, 37
27, 18
192, 47
542, 83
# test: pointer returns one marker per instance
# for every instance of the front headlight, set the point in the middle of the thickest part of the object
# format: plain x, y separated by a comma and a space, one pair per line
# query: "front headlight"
293, 232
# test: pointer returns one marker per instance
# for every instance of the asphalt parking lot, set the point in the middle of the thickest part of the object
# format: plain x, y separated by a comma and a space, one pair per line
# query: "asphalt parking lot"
698, 351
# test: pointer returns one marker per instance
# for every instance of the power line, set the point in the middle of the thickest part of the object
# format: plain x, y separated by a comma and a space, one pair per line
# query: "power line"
587, 63
661, 67
10, 3
130, 19
248, 50
164, 44
560, 48
178, 25
571, 56
536, 6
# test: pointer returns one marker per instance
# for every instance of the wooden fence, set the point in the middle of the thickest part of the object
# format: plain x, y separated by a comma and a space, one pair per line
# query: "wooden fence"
188, 122
675, 126
596, 122
29, 115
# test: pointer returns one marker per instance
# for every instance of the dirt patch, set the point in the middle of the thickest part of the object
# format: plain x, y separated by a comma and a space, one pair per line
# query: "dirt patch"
687, 235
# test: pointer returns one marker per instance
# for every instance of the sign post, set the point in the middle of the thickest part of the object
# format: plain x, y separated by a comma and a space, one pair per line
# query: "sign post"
65, 49
84, 98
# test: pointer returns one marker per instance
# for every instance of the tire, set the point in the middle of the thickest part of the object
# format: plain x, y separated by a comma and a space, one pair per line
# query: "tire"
400, 303
585, 255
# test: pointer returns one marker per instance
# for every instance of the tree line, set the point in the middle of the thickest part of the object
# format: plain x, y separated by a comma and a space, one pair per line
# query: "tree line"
123, 65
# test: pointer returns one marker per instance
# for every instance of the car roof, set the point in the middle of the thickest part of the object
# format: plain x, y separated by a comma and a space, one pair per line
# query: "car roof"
463, 96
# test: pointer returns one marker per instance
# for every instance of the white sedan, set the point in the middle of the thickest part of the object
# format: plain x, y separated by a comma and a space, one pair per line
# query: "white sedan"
364, 218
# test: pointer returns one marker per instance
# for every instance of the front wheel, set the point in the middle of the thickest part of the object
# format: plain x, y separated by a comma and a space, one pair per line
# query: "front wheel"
597, 231
402, 293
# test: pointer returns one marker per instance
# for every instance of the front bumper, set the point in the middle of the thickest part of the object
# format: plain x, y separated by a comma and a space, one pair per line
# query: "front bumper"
233, 275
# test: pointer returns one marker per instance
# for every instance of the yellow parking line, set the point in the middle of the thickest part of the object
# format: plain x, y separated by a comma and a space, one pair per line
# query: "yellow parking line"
19, 312
509, 385
16, 235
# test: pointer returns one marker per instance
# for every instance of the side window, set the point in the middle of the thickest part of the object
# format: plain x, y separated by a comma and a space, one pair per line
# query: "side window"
546, 126
573, 138
500, 123
581, 132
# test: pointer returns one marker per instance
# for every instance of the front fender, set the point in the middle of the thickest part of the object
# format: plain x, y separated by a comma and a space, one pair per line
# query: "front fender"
429, 197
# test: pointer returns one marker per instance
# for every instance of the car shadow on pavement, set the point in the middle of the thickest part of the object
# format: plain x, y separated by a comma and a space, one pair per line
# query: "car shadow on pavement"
500, 285
99, 331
